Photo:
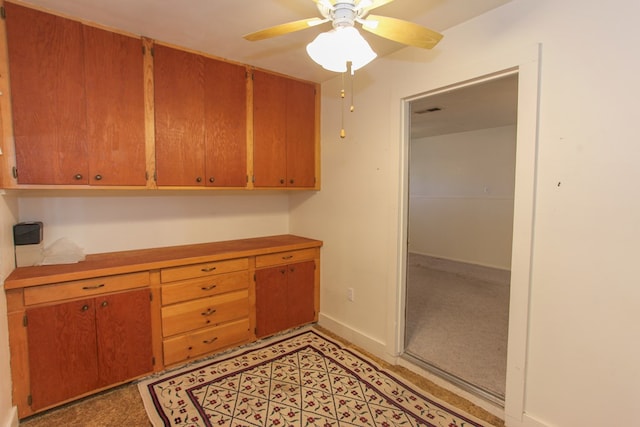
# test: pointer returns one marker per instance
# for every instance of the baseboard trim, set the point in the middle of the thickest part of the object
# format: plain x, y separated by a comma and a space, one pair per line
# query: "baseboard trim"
526, 421
12, 418
365, 342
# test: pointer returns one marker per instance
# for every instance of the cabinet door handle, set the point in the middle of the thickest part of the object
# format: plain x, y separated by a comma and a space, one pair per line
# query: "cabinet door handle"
291, 181
98, 177
207, 270
212, 180
212, 340
104, 303
78, 177
287, 257
209, 312
208, 288
282, 181
90, 288
198, 179
84, 308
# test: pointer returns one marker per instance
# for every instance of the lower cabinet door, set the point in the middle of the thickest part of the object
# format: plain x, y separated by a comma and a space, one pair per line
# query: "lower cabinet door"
301, 293
62, 351
285, 297
271, 301
123, 324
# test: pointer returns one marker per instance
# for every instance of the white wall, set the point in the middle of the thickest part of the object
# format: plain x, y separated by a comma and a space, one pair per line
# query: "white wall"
105, 222
582, 367
461, 196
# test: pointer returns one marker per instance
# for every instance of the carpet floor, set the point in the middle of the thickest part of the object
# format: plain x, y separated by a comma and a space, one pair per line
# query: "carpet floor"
457, 320
123, 405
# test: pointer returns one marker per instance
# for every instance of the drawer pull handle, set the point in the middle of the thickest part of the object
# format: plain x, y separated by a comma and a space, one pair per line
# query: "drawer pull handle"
212, 340
209, 312
287, 257
207, 270
85, 307
90, 288
208, 288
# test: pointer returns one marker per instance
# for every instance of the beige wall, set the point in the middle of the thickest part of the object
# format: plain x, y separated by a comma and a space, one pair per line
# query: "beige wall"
461, 196
582, 366
105, 222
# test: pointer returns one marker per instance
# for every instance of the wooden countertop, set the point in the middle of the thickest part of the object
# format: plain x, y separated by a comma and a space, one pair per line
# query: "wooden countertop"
110, 263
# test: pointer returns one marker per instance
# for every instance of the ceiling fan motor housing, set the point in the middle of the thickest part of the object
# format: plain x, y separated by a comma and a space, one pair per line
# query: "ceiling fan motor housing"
344, 14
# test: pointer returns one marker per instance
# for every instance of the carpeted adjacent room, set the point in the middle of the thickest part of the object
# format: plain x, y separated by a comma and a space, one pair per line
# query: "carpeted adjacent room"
457, 320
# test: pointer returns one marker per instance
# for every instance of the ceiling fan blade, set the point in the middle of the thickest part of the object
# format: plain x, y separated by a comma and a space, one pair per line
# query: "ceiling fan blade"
368, 5
401, 31
281, 29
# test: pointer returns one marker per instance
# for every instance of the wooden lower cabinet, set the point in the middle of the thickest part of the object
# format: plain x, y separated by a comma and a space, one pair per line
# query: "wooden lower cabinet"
79, 346
205, 307
75, 330
285, 297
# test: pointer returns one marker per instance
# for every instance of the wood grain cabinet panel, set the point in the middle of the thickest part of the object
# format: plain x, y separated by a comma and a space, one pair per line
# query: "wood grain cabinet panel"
123, 324
284, 124
78, 101
80, 346
114, 84
200, 107
46, 71
285, 297
62, 351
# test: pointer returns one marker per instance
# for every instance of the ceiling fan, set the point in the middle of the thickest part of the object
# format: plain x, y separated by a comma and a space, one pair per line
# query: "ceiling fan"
343, 46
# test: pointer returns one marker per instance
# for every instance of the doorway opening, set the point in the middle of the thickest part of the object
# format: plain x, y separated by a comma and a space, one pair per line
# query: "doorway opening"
461, 184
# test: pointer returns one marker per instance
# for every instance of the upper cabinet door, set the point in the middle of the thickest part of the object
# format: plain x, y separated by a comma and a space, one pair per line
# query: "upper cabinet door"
179, 121
301, 134
48, 95
225, 124
284, 126
113, 66
269, 130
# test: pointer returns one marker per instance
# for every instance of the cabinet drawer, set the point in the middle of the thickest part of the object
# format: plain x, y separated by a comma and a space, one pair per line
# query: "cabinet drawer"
204, 287
185, 347
202, 270
203, 312
285, 257
83, 288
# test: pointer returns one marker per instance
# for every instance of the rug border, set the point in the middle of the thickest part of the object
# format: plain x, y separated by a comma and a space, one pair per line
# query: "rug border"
158, 421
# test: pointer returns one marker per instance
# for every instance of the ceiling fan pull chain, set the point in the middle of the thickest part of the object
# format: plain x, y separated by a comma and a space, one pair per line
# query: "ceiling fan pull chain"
351, 73
342, 132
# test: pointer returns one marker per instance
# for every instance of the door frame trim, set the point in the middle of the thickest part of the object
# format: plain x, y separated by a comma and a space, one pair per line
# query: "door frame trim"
527, 64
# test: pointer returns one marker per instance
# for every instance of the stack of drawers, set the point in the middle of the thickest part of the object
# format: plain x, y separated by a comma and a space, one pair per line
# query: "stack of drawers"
205, 307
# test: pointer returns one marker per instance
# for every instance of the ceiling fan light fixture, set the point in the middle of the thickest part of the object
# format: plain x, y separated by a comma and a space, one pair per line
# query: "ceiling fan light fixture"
333, 49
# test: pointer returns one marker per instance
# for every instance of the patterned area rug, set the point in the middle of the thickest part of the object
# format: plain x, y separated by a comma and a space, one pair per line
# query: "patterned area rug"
305, 379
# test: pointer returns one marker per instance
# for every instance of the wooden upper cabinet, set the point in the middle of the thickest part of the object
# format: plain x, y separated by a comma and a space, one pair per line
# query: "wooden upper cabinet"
78, 101
179, 114
48, 97
284, 124
301, 133
115, 108
226, 124
269, 130
200, 111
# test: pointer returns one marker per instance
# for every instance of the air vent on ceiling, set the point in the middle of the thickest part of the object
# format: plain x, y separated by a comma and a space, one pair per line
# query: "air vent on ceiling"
428, 110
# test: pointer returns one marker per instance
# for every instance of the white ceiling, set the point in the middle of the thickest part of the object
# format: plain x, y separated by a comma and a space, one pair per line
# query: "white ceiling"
488, 104
216, 27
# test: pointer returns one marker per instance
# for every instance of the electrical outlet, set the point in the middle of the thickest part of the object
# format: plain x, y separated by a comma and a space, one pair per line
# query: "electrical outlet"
350, 295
